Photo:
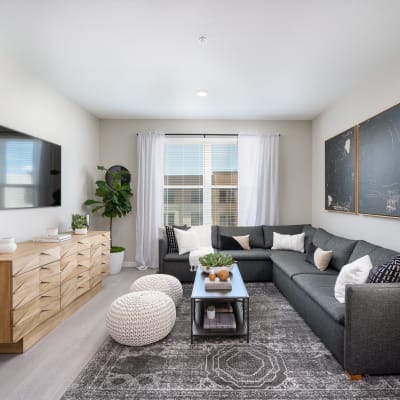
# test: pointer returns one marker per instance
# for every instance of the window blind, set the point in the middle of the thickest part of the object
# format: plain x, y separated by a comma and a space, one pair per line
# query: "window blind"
200, 182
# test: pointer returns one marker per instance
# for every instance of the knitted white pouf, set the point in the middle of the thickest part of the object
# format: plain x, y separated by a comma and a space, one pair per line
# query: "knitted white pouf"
141, 318
164, 283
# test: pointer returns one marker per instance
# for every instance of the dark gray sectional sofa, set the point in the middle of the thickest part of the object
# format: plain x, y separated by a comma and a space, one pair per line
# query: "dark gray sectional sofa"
363, 334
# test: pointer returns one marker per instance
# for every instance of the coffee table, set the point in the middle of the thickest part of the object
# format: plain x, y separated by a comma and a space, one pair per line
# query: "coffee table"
238, 296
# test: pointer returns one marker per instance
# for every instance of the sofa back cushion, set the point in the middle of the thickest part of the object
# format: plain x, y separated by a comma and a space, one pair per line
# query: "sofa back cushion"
310, 232
378, 255
255, 232
282, 229
341, 247
215, 236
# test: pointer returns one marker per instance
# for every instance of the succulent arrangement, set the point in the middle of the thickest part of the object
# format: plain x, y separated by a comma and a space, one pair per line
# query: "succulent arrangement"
216, 260
78, 221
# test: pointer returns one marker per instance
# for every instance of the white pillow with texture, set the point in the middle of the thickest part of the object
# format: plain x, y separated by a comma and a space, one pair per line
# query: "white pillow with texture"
288, 242
187, 240
204, 234
355, 272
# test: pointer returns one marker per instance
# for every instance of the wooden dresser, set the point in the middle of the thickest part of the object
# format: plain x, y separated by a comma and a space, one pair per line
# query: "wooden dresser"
41, 284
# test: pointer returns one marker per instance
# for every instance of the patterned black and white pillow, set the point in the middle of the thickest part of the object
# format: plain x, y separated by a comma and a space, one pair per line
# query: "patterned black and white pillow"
386, 273
172, 243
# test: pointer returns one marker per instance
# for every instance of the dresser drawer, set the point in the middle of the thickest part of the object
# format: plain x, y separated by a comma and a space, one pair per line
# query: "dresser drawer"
68, 291
85, 243
49, 276
25, 318
32, 261
50, 255
25, 288
96, 251
69, 248
25, 264
49, 304
83, 283
95, 280
83, 263
69, 267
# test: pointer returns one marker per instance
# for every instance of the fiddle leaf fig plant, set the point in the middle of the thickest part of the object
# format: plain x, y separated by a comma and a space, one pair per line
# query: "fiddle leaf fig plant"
112, 201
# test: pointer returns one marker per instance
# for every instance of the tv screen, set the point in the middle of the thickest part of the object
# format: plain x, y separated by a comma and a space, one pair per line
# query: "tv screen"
30, 171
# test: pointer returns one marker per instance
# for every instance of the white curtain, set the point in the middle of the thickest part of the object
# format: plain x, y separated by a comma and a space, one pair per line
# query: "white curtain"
258, 181
150, 156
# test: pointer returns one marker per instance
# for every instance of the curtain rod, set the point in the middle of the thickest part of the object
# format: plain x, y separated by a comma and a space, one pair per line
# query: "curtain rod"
205, 134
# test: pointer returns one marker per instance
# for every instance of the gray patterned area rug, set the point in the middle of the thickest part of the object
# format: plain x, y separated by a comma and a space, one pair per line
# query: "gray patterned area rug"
284, 360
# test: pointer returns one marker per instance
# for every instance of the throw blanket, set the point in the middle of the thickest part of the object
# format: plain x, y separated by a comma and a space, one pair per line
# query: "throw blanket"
196, 254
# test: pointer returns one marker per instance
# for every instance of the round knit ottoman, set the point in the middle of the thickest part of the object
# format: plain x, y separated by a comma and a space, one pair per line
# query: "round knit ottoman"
167, 284
141, 318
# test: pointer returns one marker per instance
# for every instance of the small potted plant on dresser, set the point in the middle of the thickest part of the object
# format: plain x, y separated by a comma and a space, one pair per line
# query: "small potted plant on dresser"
79, 224
113, 201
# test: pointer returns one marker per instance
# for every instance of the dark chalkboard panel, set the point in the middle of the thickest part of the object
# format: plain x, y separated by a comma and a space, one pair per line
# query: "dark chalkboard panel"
340, 172
379, 164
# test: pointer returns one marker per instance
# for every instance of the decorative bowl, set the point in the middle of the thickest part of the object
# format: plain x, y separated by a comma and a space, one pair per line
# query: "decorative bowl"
215, 269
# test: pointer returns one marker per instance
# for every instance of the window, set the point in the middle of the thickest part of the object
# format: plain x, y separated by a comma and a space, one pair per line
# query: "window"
200, 182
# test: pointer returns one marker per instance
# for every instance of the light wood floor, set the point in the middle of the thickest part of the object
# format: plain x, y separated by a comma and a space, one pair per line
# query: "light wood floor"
46, 370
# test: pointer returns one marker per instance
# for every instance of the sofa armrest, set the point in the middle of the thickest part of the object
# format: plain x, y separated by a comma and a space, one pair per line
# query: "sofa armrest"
372, 329
162, 251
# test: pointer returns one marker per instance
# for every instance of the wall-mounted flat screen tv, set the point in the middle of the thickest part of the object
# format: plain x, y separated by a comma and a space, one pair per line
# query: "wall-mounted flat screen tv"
30, 171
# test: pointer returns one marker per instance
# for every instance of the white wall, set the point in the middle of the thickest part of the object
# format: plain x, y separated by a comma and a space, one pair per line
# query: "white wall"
33, 107
118, 146
380, 92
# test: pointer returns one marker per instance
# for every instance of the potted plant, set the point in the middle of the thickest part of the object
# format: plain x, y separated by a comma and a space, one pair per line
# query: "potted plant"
113, 201
211, 312
216, 262
79, 224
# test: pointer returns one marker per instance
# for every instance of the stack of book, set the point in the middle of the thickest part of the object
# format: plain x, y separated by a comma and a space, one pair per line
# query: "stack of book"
54, 238
224, 318
217, 284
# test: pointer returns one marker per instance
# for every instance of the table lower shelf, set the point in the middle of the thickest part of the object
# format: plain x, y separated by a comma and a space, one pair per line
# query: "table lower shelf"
242, 328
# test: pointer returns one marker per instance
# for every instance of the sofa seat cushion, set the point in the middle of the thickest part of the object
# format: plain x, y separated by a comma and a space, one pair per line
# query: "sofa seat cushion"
293, 263
378, 255
248, 255
177, 257
321, 290
341, 247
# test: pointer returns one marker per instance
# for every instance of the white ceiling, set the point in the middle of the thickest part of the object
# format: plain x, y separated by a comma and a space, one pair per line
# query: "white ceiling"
266, 59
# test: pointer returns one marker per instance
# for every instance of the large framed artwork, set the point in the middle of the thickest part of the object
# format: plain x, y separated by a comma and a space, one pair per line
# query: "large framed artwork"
340, 168
379, 164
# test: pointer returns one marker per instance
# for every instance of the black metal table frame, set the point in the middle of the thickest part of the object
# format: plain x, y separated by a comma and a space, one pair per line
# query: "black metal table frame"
245, 304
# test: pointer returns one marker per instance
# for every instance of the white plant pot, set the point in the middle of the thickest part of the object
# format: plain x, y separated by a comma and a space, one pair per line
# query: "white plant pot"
7, 245
80, 231
210, 314
116, 260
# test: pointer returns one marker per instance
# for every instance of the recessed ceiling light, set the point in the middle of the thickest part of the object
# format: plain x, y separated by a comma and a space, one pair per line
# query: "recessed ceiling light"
202, 93
202, 39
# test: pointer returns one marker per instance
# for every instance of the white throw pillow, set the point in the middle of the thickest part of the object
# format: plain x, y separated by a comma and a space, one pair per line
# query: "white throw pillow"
288, 242
244, 241
187, 240
204, 234
355, 272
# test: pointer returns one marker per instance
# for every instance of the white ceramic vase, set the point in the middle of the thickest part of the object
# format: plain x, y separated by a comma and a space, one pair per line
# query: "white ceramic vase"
210, 314
7, 245
116, 260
